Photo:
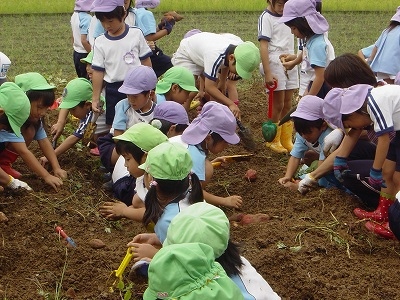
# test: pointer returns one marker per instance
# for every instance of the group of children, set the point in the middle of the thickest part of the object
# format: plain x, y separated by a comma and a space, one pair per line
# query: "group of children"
157, 158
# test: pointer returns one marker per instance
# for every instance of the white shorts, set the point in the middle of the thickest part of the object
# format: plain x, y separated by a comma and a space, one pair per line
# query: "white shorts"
381, 76
278, 71
305, 80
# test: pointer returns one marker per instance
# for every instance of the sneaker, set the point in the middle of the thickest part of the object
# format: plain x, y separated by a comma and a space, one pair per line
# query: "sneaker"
107, 176
95, 151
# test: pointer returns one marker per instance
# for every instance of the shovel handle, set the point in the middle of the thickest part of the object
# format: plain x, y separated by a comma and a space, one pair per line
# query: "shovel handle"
271, 90
125, 262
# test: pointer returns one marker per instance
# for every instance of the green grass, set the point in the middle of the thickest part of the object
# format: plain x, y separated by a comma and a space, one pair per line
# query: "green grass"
64, 6
42, 43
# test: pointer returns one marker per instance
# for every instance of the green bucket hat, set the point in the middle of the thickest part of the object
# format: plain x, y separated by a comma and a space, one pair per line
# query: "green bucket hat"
200, 223
188, 272
15, 104
247, 57
33, 81
143, 135
178, 75
76, 91
88, 59
170, 161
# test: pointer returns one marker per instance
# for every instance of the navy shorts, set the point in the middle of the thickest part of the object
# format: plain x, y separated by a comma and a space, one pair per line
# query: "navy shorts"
80, 67
106, 146
112, 98
160, 62
323, 91
124, 189
394, 218
394, 151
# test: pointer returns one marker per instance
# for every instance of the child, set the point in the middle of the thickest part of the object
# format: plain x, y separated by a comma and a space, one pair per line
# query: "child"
114, 53
132, 146
14, 111
213, 130
77, 99
358, 107
306, 23
144, 19
80, 21
205, 223
311, 130
5, 64
206, 53
193, 274
41, 96
138, 87
275, 40
176, 85
385, 57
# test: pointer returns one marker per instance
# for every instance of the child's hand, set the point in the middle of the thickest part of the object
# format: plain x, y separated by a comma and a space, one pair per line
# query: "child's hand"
220, 162
145, 238
96, 106
142, 251
113, 210
60, 173
56, 130
306, 184
152, 45
287, 57
43, 161
234, 201
235, 110
284, 180
53, 181
332, 141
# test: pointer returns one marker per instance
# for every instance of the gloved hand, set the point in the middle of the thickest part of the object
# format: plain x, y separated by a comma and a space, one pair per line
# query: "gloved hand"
375, 179
332, 141
16, 184
166, 24
307, 183
340, 167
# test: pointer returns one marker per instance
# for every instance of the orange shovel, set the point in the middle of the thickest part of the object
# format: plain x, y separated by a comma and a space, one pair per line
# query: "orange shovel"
231, 158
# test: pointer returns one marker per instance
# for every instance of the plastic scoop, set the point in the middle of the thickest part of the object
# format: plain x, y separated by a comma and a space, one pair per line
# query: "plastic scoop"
231, 158
268, 128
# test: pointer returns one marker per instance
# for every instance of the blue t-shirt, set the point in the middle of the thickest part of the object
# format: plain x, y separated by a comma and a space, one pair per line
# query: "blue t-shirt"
301, 145
199, 161
145, 21
160, 98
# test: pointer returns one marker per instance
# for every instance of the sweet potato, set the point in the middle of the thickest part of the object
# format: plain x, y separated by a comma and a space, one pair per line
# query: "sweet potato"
251, 175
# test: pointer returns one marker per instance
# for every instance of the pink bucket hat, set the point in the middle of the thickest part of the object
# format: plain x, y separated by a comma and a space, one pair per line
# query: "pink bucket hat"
106, 5
344, 101
214, 117
309, 108
139, 79
83, 5
396, 16
172, 112
147, 3
305, 8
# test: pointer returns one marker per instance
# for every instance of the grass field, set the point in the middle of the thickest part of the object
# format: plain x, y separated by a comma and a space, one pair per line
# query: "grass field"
42, 43
64, 6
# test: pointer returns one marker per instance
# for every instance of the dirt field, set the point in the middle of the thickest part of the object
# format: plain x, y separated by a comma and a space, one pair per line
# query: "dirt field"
313, 247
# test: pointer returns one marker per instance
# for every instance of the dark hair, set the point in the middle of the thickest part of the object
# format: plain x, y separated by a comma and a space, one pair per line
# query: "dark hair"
318, 7
46, 98
273, 2
392, 25
230, 260
347, 70
125, 147
216, 137
303, 126
177, 188
166, 125
4, 121
302, 26
81, 104
118, 13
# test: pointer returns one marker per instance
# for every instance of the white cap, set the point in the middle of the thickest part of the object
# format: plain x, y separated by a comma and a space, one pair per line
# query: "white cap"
5, 64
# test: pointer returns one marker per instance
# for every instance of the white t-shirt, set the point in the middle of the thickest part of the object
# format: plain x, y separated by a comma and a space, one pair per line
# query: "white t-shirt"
80, 22
116, 55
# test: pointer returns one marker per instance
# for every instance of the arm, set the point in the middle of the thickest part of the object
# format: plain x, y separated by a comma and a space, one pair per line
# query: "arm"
97, 81
57, 129
291, 60
50, 154
85, 43
146, 62
382, 148
291, 168
233, 201
268, 77
317, 82
34, 165
118, 210
68, 143
373, 53
344, 150
211, 88
156, 36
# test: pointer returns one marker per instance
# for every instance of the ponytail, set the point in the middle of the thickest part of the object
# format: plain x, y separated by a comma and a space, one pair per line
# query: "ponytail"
153, 210
196, 194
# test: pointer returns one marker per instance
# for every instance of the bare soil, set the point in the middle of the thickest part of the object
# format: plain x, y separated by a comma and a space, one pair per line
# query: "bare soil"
312, 247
